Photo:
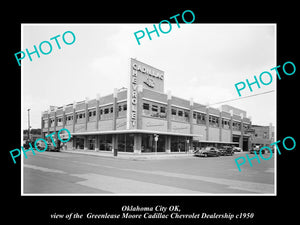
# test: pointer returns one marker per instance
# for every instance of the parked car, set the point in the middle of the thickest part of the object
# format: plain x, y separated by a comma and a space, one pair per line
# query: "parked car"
208, 151
50, 146
226, 150
256, 149
237, 149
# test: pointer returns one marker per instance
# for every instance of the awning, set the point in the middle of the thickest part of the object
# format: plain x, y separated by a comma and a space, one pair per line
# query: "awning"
135, 131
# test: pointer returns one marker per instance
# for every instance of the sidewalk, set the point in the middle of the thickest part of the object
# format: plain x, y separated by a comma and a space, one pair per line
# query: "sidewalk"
131, 156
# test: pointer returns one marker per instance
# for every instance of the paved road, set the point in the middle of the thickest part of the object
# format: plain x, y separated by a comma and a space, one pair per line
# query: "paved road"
69, 173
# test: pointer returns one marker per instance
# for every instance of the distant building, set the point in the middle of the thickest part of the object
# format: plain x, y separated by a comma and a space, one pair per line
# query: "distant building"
262, 135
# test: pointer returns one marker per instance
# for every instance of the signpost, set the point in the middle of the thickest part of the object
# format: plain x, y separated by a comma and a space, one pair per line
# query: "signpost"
156, 139
188, 146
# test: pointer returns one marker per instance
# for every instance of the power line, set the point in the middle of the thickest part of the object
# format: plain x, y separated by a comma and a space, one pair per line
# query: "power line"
242, 97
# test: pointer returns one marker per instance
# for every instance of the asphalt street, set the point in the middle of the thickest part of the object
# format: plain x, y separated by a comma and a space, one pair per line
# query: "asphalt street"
69, 173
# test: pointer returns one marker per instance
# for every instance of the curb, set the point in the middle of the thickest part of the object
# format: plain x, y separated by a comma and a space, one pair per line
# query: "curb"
130, 157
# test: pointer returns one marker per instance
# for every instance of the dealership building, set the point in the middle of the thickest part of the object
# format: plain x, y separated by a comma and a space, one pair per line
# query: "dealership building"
143, 118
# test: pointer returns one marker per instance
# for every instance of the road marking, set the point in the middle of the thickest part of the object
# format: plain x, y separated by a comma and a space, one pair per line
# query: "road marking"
128, 186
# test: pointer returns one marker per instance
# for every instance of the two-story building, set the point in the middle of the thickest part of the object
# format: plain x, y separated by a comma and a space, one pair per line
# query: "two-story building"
143, 118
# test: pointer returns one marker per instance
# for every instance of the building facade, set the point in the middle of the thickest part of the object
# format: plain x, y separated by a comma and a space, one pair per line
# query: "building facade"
262, 135
143, 118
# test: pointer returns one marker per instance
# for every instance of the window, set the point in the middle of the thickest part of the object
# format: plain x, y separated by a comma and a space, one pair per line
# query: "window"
111, 109
180, 113
225, 123
146, 106
154, 108
236, 126
173, 111
106, 111
163, 112
213, 121
200, 118
69, 120
122, 110
194, 115
186, 114
92, 115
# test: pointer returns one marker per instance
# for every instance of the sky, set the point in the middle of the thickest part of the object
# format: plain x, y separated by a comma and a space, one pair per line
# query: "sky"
200, 61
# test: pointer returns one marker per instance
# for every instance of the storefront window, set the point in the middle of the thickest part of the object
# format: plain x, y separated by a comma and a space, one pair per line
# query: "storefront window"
129, 142
79, 143
125, 142
91, 143
178, 144
105, 142
148, 143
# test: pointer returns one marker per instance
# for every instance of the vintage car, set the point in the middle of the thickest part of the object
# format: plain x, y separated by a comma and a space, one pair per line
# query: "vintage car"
208, 151
50, 146
256, 149
237, 149
226, 150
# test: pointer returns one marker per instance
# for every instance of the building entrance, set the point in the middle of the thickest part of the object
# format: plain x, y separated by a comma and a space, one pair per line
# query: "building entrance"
246, 144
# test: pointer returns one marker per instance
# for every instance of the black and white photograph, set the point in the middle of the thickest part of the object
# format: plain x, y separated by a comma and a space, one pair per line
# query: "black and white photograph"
141, 114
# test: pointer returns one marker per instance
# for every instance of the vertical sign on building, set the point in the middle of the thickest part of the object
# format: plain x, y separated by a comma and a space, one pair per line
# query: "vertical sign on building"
147, 76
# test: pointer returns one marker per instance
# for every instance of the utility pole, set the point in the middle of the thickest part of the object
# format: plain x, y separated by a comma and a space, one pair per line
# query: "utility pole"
28, 110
